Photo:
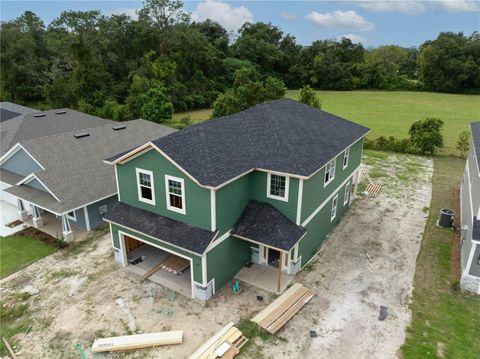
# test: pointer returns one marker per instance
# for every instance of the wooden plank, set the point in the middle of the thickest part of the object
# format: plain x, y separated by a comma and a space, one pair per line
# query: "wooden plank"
279, 279
276, 303
175, 264
283, 307
286, 316
209, 346
137, 341
155, 268
9, 348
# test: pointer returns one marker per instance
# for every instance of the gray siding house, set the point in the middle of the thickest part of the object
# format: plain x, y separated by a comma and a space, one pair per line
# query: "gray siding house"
54, 169
470, 216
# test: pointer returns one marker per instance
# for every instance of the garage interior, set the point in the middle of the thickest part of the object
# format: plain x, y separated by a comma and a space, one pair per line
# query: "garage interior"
159, 266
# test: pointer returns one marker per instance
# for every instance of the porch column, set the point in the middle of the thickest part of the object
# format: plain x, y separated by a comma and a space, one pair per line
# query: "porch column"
67, 230
280, 263
357, 177
21, 209
37, 219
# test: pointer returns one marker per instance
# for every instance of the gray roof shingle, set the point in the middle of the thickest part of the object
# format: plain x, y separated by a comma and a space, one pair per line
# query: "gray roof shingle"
475, 126
263, 223
165, 229
283, 135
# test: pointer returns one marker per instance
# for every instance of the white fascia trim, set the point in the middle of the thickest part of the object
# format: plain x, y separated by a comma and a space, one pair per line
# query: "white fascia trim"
126, 156
156, 239
87, 218
299, 202
90, 203
116, 180
204, 269
475, 156
287, 186
216, 241
213, 210
469, 187
14, 150
138, 171
30, 178
328, 198
470, 258
182, 210
262, 244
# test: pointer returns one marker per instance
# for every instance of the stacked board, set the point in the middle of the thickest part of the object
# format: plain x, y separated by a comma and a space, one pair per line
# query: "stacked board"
373, 189
137, 341
225, 344
282, 309
175, 264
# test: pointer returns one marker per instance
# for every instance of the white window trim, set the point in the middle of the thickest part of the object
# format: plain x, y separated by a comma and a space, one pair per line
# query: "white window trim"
74, 217
325, 184
287, 186
139, 191
333, 213
346, 155
167, 194
346, 196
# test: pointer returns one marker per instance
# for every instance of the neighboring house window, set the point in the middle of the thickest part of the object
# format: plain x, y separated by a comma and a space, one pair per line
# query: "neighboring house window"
330, 171
71, 215
334, 208
145, 186
277, 186
175, 191
347, 194
346, 155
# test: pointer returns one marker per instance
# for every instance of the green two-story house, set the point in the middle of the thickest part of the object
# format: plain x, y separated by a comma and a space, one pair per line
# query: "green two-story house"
261, 188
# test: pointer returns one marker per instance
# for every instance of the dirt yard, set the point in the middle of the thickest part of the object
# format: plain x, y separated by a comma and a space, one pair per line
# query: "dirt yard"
79, 293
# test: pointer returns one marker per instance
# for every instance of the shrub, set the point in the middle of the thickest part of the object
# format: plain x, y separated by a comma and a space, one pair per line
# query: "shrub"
426, 135
463, 143
310, 97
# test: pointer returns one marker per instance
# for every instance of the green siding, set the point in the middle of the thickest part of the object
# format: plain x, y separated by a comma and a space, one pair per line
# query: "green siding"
258, 187
197, 260
226, 259
314, 192
197, 199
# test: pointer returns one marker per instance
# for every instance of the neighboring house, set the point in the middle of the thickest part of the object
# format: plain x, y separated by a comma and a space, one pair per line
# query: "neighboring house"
470, 216
265, 185
9, 110
62, 175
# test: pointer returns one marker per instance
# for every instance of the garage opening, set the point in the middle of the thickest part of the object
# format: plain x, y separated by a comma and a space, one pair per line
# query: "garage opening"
162, 267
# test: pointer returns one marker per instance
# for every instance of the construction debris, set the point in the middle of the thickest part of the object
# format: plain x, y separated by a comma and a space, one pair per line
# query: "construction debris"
282, 309
369, 259
175, 264
9, 348
373, 188
225, 344
313, 334
137, 341
383, 312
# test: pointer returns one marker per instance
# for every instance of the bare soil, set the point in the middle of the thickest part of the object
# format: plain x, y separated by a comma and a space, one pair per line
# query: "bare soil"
83, 294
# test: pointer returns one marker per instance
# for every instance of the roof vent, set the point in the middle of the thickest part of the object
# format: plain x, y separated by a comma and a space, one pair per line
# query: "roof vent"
81, 134
118, 127
39, 115
60, 112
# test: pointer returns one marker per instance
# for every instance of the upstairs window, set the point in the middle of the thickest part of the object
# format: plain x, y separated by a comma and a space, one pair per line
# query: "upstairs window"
330, 171
145, 187
334, 208
346, 155
277, 187
175, 191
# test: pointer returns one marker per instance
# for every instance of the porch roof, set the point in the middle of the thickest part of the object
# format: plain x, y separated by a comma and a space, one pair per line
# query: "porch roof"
261, 222
9, 177
37, 197
179, 234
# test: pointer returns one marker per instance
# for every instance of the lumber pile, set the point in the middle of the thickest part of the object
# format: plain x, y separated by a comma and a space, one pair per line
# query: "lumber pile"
226, 344
137, 341
373, 189
175, 264
282, 309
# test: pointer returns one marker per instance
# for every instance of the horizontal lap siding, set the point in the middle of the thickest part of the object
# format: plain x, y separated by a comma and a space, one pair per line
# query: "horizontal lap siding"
197, 199
197, 260
94, 211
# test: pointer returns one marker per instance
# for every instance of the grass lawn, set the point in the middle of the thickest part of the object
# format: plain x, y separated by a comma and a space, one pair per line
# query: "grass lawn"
441, 318
388, 113
17, 252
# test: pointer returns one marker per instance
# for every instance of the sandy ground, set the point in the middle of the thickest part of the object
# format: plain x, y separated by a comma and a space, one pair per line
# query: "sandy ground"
83, 295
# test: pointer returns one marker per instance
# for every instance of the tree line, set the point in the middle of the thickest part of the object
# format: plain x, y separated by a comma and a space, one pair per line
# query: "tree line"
163, 62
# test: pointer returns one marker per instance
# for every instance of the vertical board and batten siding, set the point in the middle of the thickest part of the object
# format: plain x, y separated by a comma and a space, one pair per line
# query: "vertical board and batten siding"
314, 192
21, 163
93, 210
196, 259
197, 199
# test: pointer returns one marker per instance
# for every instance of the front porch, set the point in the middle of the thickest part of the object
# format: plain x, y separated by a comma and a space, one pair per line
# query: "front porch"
52, 225
265, 277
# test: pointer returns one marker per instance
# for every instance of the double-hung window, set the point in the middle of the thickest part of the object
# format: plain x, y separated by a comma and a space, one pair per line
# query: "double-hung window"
346, 156
145, 186
347, 194
277, 187
329, 172
72, 215
334, 208
175, 193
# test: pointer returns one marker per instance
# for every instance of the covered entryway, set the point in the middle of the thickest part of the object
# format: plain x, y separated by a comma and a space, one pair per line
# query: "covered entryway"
157, 264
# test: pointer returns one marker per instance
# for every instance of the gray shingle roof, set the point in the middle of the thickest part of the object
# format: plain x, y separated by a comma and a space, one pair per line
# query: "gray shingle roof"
10, 110
9, 177
27, 126
263, 223
475, 126
283, 135
74, 167
6, 115
165, 229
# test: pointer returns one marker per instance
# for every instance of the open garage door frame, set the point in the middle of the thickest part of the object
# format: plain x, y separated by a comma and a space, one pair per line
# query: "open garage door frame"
124, 255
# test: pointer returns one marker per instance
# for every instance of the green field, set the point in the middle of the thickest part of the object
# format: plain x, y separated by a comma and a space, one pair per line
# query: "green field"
18, 252
389, 113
